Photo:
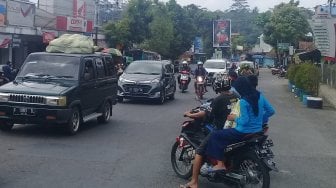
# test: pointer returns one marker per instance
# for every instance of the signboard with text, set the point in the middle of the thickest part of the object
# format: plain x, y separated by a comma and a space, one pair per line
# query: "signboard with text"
222, 33
3, 11
76, 24
20, 13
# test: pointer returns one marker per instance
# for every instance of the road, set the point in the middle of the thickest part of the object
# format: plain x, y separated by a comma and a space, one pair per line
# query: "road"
133, 149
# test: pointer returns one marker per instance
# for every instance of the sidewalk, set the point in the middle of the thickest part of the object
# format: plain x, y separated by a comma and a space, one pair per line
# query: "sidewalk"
328, 94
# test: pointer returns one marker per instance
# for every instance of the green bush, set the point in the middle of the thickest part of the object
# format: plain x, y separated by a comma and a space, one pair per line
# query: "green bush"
292, 69
307, 77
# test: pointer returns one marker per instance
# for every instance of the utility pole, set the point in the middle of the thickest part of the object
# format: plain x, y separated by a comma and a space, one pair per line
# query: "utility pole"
96, 21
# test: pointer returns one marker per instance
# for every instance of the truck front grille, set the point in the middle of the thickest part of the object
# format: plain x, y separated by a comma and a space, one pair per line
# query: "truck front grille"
27, 98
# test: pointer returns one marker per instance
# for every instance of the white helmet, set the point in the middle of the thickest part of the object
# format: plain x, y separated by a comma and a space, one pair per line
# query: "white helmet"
184, 63
199, 63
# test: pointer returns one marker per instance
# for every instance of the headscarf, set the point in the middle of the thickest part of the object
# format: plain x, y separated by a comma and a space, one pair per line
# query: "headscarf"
248, 92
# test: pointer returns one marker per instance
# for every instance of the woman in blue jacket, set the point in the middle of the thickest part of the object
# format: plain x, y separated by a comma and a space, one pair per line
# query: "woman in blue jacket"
254, 110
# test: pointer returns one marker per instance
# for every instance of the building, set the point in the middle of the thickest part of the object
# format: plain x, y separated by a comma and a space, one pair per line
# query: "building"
26, 27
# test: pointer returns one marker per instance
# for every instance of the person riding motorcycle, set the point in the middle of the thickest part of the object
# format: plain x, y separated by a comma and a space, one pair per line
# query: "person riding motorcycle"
200, 71
185, 67
254, 110
220, 109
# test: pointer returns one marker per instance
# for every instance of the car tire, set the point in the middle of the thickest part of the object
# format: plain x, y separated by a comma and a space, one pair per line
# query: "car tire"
107, 112
6, 126
74, 122
162, 98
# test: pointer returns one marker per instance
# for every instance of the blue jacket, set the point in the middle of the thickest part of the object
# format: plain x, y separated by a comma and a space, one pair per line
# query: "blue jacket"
200, 72
247, 122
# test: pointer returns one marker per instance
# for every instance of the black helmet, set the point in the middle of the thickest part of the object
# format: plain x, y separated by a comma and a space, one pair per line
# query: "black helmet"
223, 85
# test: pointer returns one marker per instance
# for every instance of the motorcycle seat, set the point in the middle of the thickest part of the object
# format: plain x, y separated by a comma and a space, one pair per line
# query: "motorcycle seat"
250, 138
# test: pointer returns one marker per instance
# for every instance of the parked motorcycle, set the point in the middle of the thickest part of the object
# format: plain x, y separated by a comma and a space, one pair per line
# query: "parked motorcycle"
200, 86
184, 80
248, 162
282, 72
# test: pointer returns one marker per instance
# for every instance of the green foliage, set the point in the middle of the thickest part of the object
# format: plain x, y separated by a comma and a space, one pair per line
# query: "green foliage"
170, 29
308, 78
291, 72
288, 23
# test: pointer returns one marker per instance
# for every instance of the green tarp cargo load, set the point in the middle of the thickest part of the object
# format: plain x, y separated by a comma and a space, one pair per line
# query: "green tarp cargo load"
71, 43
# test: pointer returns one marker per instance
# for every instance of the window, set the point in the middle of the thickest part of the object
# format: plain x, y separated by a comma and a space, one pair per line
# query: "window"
100, 68
88, 69
110, 66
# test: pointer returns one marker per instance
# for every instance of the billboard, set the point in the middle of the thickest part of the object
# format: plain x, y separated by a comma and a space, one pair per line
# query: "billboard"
324, 35
20, 13
64, 23
2, 13
79, 8
198, 45
222, 33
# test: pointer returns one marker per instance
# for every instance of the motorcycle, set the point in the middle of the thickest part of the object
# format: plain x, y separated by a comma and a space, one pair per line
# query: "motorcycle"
276, 70
184, 81
218, 78
282, 73
200, 84
248, 161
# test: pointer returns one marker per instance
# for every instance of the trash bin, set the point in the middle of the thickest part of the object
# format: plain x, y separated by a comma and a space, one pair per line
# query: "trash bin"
304, 101
314, 102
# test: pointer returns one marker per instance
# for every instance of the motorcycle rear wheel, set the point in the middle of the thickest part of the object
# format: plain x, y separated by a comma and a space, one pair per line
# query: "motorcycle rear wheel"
257, 175
187, 165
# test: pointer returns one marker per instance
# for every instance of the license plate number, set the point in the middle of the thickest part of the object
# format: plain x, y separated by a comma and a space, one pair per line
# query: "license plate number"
24, 111
136, 90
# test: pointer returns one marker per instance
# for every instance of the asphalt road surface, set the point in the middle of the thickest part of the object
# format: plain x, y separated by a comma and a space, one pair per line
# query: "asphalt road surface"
133, 149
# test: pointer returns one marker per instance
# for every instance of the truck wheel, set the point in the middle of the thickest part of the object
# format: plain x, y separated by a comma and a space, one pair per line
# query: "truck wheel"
6, 126
107, 111
74, 122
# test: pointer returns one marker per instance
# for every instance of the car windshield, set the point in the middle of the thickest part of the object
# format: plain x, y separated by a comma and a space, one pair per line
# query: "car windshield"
51, 66
144, 68
214, 65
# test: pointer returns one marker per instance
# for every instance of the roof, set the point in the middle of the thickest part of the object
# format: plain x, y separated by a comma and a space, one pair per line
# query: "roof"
217, 60
149, 61
65, 54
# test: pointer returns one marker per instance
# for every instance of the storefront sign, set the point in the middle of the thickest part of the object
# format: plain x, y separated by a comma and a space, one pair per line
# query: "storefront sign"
2, 13
76, 24
73, 24
16, 41
20, 13
48, 36
5, 40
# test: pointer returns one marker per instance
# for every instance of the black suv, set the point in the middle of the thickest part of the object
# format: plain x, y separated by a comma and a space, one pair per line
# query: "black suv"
148, 80
56, 88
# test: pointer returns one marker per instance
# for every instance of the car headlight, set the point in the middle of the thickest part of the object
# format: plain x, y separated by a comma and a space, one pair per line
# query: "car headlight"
123, 80
4, 97
56, 101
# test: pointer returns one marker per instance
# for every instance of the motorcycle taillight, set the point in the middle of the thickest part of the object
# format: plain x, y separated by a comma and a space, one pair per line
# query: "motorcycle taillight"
182, 142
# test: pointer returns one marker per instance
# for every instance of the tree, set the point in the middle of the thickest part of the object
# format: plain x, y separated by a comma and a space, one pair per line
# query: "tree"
240, 5
287, 24
118, 33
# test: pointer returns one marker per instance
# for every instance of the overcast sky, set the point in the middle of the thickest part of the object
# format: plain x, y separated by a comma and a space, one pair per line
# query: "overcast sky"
263, 5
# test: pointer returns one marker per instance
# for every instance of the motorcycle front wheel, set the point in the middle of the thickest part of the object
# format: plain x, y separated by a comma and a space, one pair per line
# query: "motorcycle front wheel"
181, 159
255, 171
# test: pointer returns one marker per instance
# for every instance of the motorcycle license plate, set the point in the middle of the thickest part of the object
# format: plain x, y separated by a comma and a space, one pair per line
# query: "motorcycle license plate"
24, 111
